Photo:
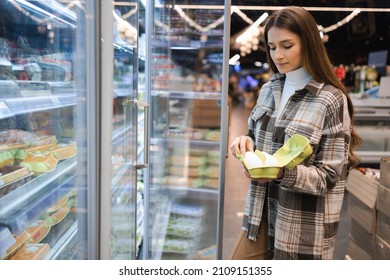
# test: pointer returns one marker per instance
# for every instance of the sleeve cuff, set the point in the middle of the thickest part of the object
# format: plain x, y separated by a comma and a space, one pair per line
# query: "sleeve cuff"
289, 177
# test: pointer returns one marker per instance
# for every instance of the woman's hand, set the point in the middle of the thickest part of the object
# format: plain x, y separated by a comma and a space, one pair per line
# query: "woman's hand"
241, 145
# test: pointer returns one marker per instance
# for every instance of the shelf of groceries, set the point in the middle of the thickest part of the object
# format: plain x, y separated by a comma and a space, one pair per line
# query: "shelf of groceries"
37, 195
37, 170
184, 156
190, 137
185, 171
37, 203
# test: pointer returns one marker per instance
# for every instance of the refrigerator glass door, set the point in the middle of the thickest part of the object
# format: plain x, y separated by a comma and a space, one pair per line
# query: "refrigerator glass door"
186, 67
40, 86
127, 136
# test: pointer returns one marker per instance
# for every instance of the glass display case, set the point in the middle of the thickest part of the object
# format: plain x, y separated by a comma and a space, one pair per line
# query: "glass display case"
372, 120
187, 137
38, 143
113, 135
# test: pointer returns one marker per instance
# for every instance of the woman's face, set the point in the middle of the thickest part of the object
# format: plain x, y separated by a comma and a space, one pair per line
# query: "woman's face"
285, 49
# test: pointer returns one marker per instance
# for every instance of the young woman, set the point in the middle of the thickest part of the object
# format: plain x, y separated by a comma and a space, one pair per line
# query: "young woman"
299, 210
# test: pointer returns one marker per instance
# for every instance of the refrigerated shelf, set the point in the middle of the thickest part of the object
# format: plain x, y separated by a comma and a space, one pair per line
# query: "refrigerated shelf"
23, 105
61, 248
10, 203
206, 144
27, 210
192, 193
187, 94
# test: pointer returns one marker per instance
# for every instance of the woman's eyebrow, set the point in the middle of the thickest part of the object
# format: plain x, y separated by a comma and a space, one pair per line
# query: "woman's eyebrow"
281, 42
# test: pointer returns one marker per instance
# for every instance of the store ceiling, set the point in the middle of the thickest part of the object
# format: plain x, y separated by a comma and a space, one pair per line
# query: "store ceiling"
350, 43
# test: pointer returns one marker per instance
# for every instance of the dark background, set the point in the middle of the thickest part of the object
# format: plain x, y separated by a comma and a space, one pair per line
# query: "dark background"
350, 43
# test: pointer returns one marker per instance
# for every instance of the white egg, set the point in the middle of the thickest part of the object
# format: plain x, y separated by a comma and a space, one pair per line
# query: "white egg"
270, 160
252, 160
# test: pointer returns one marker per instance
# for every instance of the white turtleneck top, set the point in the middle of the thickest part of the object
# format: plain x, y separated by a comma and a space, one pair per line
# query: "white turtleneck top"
295, 80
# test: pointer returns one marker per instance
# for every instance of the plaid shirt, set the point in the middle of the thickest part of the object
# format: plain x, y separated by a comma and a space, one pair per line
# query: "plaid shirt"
304, 206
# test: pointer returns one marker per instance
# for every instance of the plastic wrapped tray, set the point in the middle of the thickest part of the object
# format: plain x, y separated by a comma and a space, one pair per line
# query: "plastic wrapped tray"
13, 177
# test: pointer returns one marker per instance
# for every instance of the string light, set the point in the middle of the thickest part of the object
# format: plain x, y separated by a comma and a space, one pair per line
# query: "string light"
234, 59
248, 34
247, 41
341, 22
193, 24
236, 10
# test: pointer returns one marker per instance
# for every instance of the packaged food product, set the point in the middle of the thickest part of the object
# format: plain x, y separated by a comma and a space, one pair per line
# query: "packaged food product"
9, 174
183, 226
211, 171
13, 148
213, 135
38, 230
16, 137
21, 239
178, 246
63, 151
186, 160
197, 182
59, 204
32, 252
40, 140
186, 150
22, 153
193, 134
209, 253
213, 157
6, 158
185, 171
40, 162
175, 181
59, 215
73, 192
11, 177
211, 183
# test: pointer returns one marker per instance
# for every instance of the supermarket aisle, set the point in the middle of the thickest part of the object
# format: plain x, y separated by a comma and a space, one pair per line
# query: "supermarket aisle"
236, 187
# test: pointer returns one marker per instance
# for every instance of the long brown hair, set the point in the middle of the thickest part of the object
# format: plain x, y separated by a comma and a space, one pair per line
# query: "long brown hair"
315, 57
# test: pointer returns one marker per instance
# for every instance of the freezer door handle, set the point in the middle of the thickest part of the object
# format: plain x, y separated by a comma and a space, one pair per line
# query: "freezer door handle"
145, 106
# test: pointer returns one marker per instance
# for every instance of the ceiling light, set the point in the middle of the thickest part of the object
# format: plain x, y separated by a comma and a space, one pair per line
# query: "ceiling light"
248, 33
234, 59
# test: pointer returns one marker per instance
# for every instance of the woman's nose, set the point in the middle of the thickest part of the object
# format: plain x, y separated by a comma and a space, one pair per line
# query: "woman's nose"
278, 54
